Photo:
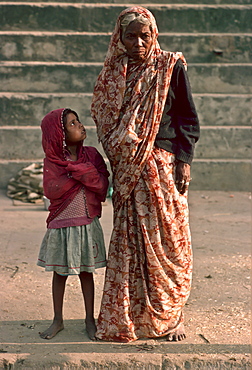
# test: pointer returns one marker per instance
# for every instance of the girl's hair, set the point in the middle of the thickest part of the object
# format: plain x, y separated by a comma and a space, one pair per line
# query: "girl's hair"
66, 112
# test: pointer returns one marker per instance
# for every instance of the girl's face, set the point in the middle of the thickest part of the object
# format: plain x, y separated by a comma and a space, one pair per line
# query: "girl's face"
137, 40
74, 130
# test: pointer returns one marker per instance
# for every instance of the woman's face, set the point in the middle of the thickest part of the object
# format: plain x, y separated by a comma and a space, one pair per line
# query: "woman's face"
74, 130
137, 40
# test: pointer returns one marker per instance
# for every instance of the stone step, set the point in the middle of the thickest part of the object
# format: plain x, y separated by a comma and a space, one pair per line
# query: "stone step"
92, 47
21, 109
101, 17
28, 142
214, 36
219, 143
80, 77
144, 3
224, 175
215, 142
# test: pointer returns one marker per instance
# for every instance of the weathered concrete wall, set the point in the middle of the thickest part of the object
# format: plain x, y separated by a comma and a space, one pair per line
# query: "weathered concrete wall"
51, 54
101, 18
216, 143
89, 47
79, 77
20, 109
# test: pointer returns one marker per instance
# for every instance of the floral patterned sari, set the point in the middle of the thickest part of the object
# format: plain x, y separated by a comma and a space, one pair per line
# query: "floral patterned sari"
148, 275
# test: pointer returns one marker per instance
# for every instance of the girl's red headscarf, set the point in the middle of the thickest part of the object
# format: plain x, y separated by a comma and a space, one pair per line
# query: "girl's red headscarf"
53, 138
58, 185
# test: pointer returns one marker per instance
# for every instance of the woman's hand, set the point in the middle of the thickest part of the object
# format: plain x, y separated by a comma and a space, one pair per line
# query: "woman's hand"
182, 177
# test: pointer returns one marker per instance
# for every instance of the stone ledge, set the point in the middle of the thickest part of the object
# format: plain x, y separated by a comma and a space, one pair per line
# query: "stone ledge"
21, 108
216, 142
143, 2
102, 17
92, 47
125, 361
78, 77
225, 175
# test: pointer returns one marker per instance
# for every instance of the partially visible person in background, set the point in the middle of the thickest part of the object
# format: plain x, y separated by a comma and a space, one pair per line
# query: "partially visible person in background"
147, 123
76, 182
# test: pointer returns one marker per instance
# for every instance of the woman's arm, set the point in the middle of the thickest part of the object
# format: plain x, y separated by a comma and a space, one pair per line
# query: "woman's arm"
187, 126
185, 115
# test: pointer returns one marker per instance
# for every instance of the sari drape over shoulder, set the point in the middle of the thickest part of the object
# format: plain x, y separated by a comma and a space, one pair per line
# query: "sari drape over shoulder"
149, 267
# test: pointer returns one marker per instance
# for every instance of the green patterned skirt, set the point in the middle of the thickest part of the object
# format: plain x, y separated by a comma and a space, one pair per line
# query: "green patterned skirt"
71, 250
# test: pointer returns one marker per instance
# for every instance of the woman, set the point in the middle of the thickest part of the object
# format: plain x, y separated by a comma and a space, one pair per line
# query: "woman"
147, 123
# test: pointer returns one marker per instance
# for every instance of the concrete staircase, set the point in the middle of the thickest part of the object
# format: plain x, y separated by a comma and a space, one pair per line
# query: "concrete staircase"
52, 52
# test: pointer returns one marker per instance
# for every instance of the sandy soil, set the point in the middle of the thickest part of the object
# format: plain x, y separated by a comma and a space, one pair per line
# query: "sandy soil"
217, 313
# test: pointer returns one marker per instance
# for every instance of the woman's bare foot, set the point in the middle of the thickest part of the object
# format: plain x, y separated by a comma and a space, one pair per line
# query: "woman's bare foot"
91, 328
52, 330
177, 335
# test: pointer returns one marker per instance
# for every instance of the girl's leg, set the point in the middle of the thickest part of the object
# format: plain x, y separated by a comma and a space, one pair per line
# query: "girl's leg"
87, 286
58, 290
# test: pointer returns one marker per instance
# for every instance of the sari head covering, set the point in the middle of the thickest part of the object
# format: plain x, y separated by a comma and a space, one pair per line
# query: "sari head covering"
128, 102
130, 17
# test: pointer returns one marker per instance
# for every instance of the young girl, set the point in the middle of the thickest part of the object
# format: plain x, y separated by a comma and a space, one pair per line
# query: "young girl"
76, 182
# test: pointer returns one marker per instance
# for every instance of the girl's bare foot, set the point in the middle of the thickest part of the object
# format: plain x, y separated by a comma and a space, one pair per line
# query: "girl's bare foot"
177, 335
91, 328
52, 330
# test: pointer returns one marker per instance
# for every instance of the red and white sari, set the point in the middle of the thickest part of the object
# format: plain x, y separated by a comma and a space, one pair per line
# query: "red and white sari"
149, 268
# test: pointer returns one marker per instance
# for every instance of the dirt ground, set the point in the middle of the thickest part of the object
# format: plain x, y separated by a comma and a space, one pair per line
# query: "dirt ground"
217, 315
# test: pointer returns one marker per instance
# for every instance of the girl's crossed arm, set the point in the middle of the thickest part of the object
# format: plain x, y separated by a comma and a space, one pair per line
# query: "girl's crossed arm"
93, 175
56, 183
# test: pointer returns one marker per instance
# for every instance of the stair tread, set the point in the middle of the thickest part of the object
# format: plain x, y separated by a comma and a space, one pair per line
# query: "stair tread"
198, 25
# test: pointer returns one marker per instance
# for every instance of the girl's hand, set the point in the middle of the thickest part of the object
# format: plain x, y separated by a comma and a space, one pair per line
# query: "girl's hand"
81, 170
182, 177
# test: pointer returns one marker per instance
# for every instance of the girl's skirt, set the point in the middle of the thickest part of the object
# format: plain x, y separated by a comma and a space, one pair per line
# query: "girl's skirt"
71, 250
